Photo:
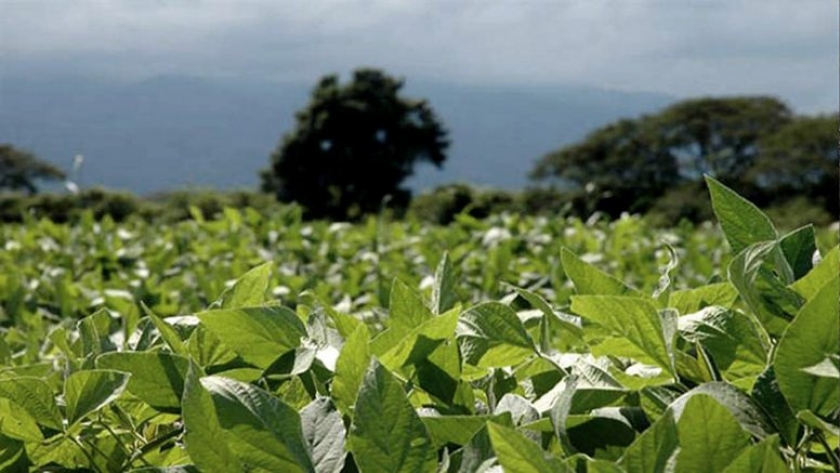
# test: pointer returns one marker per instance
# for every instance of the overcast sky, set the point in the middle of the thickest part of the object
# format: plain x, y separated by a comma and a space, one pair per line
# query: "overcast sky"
787, 48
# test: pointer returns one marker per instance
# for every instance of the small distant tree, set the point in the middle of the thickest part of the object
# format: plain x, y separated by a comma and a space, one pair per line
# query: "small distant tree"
19, 170
353, 145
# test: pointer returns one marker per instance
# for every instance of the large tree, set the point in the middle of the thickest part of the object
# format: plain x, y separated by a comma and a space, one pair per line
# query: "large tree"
630, 163
20, 169
800, 159
614, 165
716, 136
353, 145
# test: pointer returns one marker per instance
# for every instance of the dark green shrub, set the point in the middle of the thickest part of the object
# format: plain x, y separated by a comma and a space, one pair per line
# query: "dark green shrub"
544, 201
443, 203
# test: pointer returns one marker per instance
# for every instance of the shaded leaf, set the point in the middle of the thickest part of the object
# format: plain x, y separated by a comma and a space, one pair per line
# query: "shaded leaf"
36, 397
386, 434
518, 453
88, 391
156, 378
260, 428
443, 289
203, 435
324, 432
809, 339
710, 437
350, 368
762, 457
651, 451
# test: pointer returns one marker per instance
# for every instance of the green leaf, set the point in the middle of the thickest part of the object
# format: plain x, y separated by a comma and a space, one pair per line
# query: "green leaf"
203, 435
737, 342
12, 455
590, 280
742, 222
710, 437
827, 368
687, 301
167, 332
94, 333
650, 452
477, 456
655, 401
762, 457
439, 375
518, 453
344, 323
634, 320
168, 469
418, 344
324, 432
259, 335
459, 429
494, 322
249, 290
811, 283
810, 338
766, 393
520, 409
261, 430
772, 302
156, 378
350, 368
387, 435
663, 287
831, 431
494, 334
584, 463
88, 391
560, 409
443, 289
605, 429
798, 247
36, 397
749, 415
17, 424
407, 309
196, 214
569, 331
207, 350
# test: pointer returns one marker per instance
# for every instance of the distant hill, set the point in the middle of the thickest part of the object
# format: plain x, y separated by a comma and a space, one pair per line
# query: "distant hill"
168, 132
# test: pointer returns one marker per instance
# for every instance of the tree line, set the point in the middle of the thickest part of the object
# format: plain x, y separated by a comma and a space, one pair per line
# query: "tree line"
354, 144
754, 144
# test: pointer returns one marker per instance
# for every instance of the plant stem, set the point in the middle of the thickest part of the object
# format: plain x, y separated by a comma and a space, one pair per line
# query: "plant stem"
832, 457
84, 451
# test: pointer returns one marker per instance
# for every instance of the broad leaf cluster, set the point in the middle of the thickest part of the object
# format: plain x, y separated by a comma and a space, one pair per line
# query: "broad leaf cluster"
570, 369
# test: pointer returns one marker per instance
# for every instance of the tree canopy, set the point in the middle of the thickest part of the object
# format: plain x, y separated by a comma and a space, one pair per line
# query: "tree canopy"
20, 169
800, 158
716, 136
353, 145
755, 144
614, 164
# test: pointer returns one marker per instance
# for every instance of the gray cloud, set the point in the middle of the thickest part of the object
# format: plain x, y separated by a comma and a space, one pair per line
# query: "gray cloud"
682, 48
